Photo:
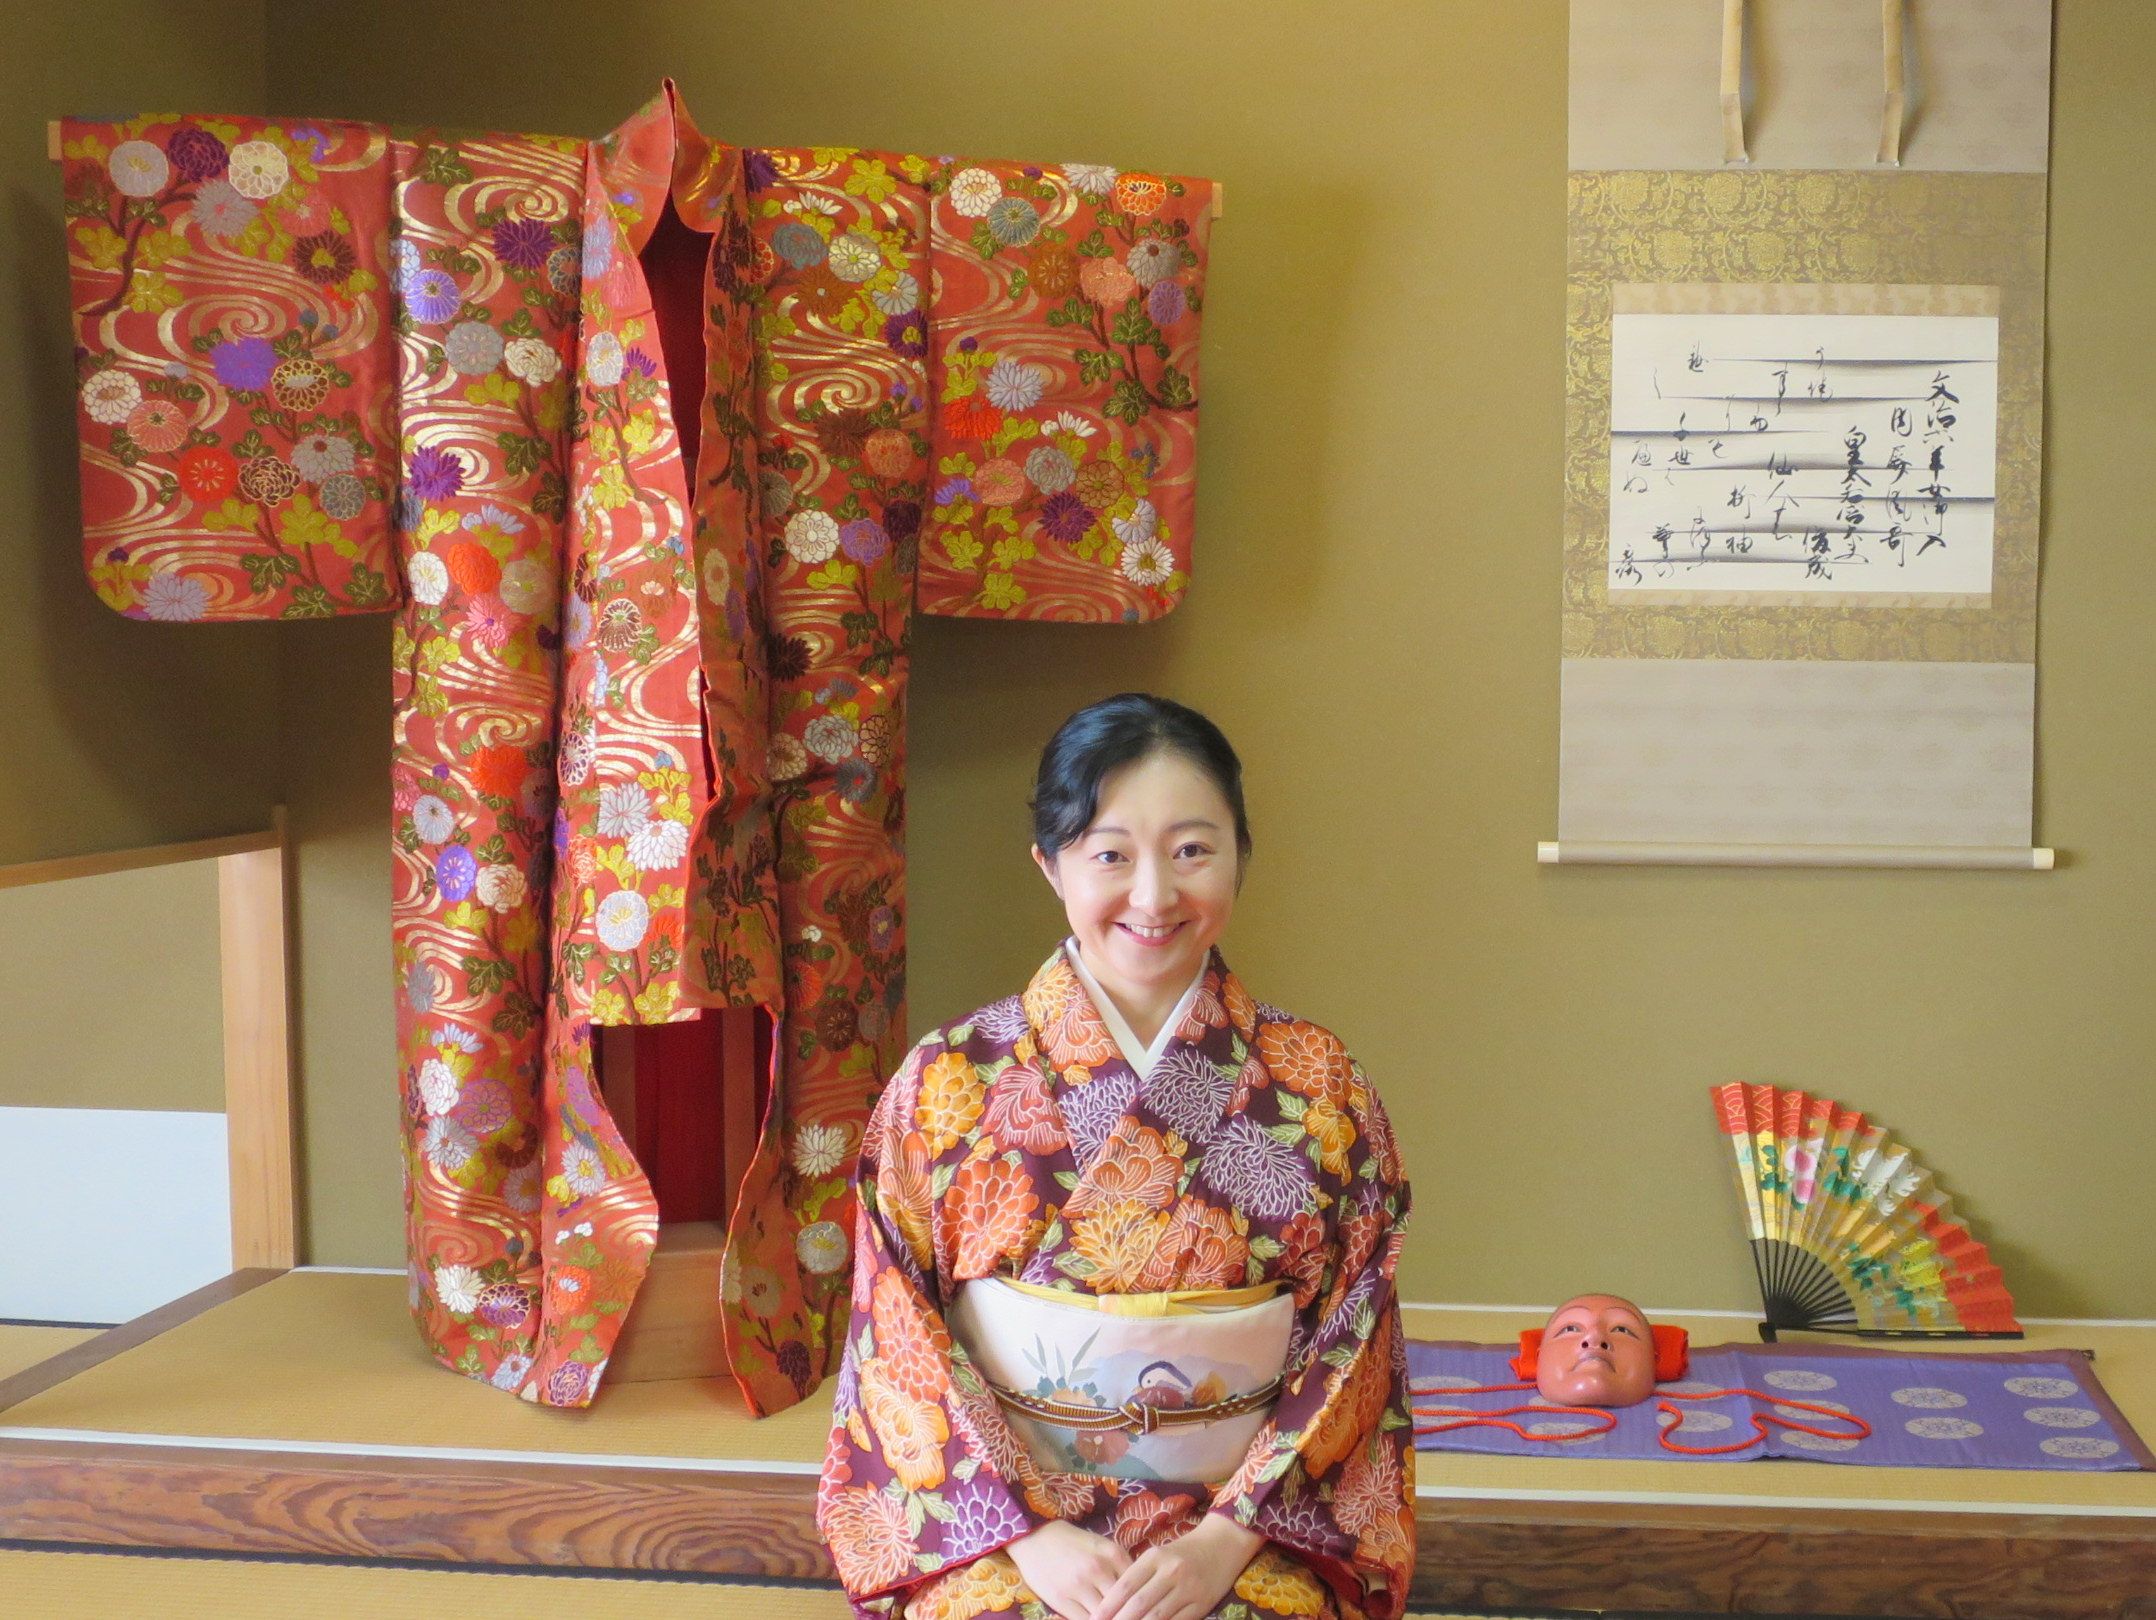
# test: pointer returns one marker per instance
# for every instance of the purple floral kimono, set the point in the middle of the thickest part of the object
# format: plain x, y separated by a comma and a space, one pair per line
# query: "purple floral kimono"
1018, 1143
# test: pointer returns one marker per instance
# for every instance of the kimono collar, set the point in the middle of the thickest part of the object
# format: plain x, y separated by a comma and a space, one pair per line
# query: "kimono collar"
659, 152
1140, 1057
1072, 1030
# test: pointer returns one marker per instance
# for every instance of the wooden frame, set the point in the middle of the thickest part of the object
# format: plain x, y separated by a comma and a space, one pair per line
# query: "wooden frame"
254, 955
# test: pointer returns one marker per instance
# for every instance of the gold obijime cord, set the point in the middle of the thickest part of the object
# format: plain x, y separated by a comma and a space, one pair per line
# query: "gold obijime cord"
1136, 1416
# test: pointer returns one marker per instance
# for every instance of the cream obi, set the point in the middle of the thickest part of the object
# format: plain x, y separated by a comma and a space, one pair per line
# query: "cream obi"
1140, 1386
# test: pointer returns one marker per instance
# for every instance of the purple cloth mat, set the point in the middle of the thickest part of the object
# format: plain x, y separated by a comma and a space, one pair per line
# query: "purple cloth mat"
1976, 1409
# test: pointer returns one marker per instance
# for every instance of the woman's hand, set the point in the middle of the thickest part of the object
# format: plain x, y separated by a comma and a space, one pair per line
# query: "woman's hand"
1069, 1569
1184, 1579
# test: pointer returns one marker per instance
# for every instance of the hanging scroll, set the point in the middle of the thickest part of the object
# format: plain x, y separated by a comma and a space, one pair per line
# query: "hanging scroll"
1804, 416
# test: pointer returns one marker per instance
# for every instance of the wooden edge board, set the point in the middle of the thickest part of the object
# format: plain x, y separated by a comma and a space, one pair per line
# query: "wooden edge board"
80, 1358
1975, 1567
1491, 1554
63, 867
436, 1510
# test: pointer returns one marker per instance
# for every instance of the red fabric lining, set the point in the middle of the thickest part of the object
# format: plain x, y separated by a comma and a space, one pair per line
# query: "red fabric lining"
681, 1079
676, 262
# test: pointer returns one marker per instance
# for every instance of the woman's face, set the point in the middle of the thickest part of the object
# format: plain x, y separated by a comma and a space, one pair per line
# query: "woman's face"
1149, 885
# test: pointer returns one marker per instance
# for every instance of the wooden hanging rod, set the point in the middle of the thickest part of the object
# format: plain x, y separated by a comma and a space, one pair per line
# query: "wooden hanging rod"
52, 155
1974, 858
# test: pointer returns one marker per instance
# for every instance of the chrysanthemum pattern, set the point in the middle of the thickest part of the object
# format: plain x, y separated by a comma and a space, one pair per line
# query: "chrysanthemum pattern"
1944, 1428
2080, 1447
1117, 1204
1797, 1379
1187, 1092
989, 1208
1065, 468
1092, 1110
2042, 1389
1930, 1398
1803, 1440
2063, 1417
182, 417
1253, 1169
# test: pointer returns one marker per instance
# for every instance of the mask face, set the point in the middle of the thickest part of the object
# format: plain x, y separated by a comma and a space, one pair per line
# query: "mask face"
1597, 1350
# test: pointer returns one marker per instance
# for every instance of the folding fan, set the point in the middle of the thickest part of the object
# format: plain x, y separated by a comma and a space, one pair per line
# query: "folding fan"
1850, 1234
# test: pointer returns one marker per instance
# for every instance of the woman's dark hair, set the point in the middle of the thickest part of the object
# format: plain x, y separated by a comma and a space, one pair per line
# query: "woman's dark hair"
1117, 731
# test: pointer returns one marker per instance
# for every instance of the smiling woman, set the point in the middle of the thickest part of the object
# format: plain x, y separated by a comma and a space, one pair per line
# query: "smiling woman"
1124, 1334
1139, 827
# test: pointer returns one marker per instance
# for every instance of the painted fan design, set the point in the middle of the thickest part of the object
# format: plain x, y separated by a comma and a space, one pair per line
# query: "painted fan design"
1850, 1234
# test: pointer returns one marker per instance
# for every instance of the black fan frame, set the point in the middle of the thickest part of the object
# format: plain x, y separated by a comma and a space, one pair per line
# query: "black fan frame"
1802, 1296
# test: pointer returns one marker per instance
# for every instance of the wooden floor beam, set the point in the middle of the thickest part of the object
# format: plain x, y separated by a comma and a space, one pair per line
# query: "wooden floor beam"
1493, 1555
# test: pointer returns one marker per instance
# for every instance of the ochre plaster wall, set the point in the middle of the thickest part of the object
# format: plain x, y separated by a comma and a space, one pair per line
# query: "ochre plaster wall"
115, 733
1375, 623
62, 948
112, 734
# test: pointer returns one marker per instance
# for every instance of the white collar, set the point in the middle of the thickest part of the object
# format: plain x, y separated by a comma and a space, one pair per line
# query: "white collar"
1140, 1058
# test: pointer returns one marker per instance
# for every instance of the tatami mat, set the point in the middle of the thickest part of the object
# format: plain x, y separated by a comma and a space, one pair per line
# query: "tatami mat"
22, 1347
319, 1357
47, 1585
330, 1360
43, 1585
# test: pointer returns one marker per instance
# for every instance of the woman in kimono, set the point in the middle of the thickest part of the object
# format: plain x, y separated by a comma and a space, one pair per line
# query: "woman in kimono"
1124, 1341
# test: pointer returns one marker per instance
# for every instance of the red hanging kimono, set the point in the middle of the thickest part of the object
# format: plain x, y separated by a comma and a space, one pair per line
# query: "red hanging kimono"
650, 659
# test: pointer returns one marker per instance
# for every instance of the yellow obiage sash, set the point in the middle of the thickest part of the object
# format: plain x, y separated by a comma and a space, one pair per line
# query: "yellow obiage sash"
1176, 1302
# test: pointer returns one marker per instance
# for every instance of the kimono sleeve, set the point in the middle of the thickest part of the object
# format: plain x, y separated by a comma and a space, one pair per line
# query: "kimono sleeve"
1342, 1420
1063, 365
236, 365
921, 1473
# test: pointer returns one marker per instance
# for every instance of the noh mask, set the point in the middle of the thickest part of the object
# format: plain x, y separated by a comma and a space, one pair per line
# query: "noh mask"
1598, 1350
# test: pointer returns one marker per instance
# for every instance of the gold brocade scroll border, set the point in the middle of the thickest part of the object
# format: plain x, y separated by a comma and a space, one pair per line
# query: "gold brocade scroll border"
1817, 226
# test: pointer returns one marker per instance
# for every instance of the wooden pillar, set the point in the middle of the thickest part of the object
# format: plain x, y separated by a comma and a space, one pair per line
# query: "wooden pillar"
253, 941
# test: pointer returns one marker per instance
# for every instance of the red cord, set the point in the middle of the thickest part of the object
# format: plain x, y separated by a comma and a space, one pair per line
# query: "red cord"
1760, 1420
1496, 1419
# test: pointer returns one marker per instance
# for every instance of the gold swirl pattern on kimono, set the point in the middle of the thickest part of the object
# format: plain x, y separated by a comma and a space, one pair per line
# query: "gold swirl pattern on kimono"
205, 344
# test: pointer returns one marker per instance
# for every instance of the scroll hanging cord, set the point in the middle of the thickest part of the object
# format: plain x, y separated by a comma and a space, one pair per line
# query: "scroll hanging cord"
1894, 110
1894, 98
